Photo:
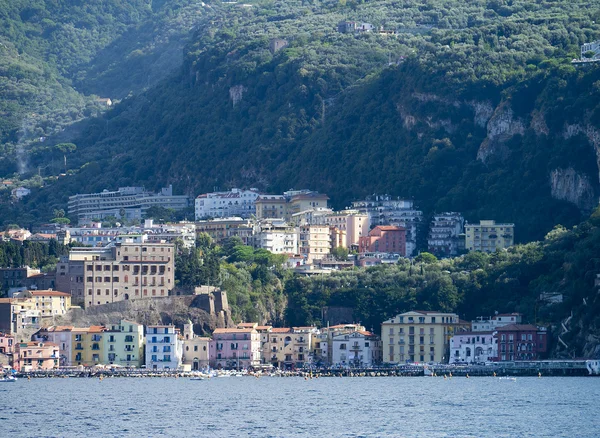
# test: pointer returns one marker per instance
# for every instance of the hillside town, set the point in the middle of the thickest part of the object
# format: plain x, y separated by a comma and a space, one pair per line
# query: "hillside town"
136, 261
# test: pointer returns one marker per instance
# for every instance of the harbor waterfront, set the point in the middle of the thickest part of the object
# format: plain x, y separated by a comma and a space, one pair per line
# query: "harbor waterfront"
276, 407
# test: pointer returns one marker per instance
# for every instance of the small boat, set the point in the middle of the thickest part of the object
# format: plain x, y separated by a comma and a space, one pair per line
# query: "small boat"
512, 379
198, 378
8, 379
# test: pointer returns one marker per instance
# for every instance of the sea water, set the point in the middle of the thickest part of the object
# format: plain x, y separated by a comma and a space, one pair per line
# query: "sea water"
295, 407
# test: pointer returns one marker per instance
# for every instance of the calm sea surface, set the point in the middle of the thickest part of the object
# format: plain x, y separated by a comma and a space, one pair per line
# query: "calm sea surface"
292, 407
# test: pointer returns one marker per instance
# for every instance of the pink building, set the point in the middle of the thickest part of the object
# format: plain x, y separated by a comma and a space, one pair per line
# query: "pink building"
7, 344
384, 238
33, 356
235, 348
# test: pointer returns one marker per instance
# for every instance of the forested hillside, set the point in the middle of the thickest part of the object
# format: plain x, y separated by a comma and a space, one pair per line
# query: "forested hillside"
57, 57
467, 106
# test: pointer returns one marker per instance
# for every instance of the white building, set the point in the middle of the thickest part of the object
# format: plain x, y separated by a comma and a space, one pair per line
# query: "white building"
276, 236
20, 192
356, 349
473, 347
236, 202
163, 348
593, 47
128, 203
486, 324
445, 234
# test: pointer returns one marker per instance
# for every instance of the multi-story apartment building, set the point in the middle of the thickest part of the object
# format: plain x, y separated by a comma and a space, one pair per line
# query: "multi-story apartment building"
124, 344
487, 324
220, 229
276, 236
323, 341
356, 349
473, 347
314, 242
287, 348
195, 349
18, 316
303, 200
50, 303
591, 49
34, 356
271, 207
418, 336
163, 347
385, 210
61, 336
87, 345
521, 342
488, 236
235, 348
236, 202
129, 203
384, 238
126, 269
446, 234
354, 224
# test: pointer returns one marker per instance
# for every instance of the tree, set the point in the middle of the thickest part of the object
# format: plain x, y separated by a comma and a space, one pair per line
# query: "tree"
426, 257
340, 253
66, 148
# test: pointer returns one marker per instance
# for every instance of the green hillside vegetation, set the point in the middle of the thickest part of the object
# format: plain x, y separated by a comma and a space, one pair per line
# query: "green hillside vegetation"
328, 112
57, 56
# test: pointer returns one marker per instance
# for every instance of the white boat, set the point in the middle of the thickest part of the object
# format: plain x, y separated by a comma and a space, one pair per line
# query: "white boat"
8, 379
198, 378
512, 379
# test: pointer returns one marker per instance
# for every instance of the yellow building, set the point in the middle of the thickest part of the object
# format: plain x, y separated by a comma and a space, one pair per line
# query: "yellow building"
305, 200
488, 236
418, 336
314, 242
87, 347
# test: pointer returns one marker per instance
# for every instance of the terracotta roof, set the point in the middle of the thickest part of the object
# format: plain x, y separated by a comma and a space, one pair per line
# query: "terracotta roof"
50, 293
96, 329
365, 333
389, 228
232, 330
517, 327
247, 324
281, 330
263, 327
61, 328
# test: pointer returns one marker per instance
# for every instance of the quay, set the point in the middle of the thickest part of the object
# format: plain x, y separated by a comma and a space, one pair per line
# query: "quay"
546, 368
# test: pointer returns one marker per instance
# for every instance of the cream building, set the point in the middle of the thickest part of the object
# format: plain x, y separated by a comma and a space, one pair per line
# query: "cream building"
488, 236
287, 348
271, 207
418, 336
195, 349
354, 224
314, 242
128, 268
50, 303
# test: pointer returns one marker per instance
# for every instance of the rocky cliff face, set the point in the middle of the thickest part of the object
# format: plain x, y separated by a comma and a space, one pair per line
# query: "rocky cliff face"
568, 185
501, 127
171, 310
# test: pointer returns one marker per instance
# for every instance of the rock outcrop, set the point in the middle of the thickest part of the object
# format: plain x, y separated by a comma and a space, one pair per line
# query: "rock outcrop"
568, 185
501, 127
